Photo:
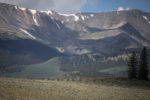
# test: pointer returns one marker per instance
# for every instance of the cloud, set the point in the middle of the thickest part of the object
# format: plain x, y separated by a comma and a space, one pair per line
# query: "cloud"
33, 4
121, 9
93, 2
62, 6
68, 6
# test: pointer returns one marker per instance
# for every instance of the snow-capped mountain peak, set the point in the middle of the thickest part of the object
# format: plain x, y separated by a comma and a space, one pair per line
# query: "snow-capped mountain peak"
77, 33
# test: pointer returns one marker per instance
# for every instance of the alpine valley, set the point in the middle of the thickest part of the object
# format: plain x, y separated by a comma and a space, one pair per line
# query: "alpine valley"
47, 44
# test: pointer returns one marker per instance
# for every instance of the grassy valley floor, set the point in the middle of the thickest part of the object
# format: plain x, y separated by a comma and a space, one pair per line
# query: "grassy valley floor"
25, 89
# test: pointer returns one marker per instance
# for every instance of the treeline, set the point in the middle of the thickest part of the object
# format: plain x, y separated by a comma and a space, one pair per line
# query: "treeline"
138, 69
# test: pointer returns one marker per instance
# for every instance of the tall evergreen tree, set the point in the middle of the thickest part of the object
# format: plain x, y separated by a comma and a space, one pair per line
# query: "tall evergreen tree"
143, 65
132, 67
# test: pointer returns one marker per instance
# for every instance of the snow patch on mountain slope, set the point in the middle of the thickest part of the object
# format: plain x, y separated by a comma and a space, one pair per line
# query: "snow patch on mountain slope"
86, 17
60, 49
16, 7
24, 31
35, 20
33, 11
76, 18
21, 8
92, 15
57, 25
82, 17
47, 12
146, 19
67, 15
43, 11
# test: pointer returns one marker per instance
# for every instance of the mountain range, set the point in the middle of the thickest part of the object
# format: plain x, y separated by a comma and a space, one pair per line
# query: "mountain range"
80, 44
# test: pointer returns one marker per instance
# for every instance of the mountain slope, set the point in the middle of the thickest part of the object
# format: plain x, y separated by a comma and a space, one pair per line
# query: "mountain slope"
88, 65
48, 69
24, 51
29, 37
65, 32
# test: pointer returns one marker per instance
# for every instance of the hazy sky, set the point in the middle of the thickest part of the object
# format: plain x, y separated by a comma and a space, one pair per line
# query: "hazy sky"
113, 5
74, 6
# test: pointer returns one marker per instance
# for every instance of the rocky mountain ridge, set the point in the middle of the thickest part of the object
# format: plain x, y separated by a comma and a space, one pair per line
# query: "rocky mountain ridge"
72, 33
79, 44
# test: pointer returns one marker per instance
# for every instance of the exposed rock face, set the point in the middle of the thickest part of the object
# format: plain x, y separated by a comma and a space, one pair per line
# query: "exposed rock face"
102, 40
73, 33
76, 34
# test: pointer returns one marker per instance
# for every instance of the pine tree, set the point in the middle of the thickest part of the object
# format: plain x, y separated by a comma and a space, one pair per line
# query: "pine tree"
143, 65
132, 67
